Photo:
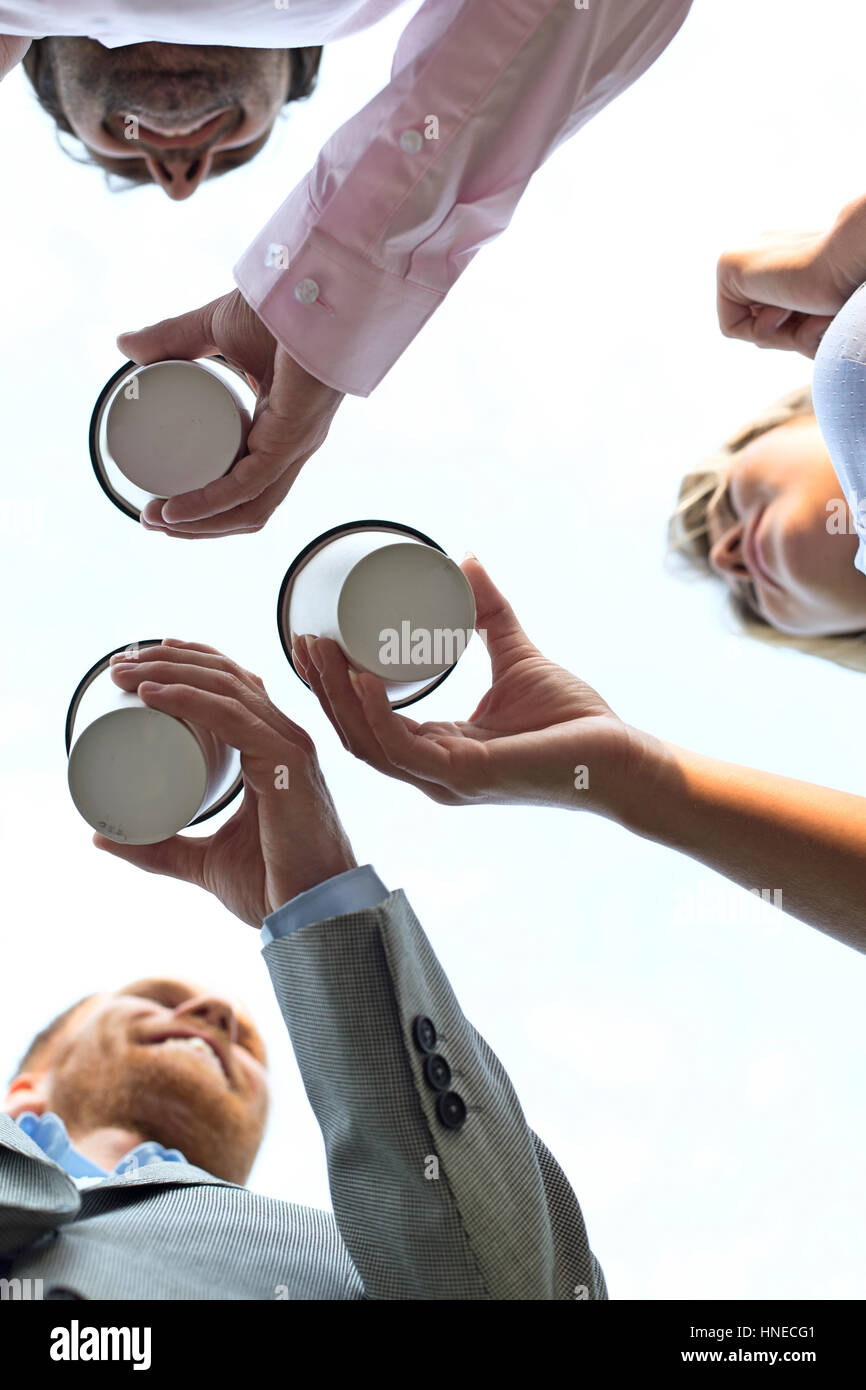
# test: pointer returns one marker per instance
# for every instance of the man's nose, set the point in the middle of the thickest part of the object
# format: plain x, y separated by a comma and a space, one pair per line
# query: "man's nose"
178, 174
726, 556
216, 1013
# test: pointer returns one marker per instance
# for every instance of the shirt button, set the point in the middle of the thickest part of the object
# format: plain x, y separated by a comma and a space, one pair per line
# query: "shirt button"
411, 141
307, 291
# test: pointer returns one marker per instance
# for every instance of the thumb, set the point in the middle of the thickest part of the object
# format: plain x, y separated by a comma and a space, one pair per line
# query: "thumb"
180, 857
495, 620
186, 337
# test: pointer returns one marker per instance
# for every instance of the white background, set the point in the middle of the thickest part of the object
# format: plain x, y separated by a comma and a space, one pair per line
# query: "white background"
697, 1071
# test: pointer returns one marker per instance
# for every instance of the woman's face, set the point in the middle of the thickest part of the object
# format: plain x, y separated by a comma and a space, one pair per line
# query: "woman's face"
776, 537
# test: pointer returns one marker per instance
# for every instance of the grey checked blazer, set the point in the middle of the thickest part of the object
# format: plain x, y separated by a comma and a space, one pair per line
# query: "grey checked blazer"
500, 1220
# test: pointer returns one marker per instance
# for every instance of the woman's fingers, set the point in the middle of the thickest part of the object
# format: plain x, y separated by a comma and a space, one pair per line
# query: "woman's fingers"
399, 739
310, 674
495, 620
338, 691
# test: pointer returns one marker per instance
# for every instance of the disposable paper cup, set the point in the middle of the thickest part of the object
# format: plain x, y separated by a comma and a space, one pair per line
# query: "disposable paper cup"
389, 596
167, 428
135, 774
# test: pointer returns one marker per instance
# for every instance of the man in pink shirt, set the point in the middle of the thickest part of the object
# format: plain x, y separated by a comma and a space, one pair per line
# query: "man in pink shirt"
366, 247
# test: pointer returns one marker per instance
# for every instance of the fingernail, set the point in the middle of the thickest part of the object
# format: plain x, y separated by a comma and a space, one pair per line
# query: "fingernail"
313, 649
470, 555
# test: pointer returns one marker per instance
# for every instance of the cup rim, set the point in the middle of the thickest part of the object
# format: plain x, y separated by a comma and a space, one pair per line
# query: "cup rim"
86, 680
116, 498
346, 528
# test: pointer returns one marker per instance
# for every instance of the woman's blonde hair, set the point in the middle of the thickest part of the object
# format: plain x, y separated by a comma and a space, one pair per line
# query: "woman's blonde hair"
688, 529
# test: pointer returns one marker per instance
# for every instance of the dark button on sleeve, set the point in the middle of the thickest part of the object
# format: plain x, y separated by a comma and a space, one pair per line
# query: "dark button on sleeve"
424, 1034
437, 1072
451, 1109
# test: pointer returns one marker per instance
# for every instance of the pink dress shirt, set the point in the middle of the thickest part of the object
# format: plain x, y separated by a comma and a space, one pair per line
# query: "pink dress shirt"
366, 247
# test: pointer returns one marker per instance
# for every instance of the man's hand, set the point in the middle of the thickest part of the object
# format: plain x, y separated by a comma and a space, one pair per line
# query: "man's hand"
534, 730
784, 290
283, 839
292, 417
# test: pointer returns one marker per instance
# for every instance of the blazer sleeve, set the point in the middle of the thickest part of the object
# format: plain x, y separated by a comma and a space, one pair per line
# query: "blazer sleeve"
440, 1188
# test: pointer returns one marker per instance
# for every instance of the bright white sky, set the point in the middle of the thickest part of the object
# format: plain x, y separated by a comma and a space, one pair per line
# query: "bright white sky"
698, 1072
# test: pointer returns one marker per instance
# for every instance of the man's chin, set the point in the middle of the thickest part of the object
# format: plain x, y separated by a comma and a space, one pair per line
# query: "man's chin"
180, 1107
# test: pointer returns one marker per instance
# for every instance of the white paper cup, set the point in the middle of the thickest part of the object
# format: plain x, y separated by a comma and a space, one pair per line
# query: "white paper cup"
389, 596
137, 775
168, 428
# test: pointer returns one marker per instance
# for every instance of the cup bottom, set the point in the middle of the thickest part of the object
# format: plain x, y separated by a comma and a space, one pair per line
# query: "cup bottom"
137, 776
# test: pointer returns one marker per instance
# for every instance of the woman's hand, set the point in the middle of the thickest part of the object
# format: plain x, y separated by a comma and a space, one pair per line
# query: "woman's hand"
784, 290
540, 735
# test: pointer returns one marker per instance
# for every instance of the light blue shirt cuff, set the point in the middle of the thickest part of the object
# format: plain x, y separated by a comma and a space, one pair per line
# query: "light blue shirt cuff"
352, 891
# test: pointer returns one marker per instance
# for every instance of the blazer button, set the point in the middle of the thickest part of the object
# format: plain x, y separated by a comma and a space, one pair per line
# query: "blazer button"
424, 1034
451, 1109
437, 1072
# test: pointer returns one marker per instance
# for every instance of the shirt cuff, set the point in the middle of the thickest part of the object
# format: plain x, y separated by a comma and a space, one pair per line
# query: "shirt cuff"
352, 891
343, 319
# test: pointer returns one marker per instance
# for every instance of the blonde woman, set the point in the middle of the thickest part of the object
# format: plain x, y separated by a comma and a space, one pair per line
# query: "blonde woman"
766, 513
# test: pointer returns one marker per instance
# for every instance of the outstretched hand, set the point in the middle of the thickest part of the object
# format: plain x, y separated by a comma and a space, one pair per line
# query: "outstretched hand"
533, 729
291, 420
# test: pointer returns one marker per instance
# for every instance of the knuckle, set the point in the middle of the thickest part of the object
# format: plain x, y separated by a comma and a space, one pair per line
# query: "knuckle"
236, 706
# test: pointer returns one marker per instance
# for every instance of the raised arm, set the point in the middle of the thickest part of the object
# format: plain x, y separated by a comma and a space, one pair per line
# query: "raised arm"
368, 245
440, 1188
542, 736
402, 196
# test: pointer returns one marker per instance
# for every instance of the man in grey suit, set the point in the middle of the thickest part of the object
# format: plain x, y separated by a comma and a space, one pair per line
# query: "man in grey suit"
134, 1120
